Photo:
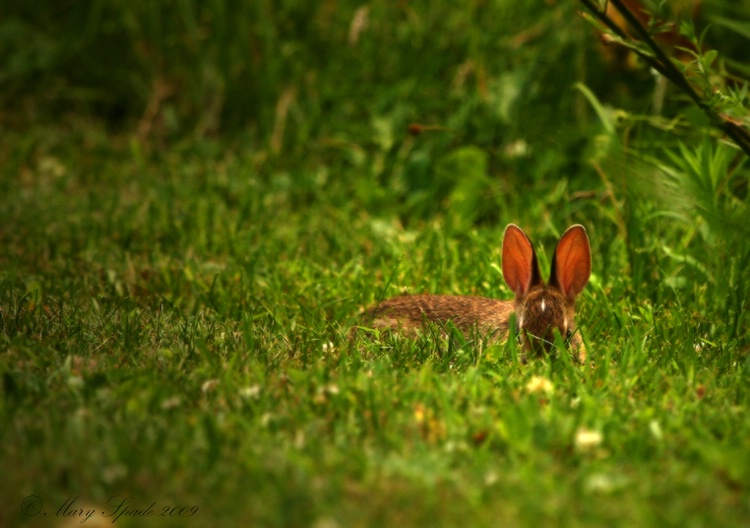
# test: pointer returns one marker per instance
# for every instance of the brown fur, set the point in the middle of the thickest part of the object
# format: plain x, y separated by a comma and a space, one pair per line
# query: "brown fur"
409, 312
540, 308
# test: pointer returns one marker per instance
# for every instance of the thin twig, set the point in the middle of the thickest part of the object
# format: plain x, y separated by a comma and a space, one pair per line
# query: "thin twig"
617, 30
671, 71
662, 63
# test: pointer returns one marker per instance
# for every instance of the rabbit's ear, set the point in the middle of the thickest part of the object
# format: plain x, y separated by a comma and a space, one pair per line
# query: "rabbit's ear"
571, 265
520, 267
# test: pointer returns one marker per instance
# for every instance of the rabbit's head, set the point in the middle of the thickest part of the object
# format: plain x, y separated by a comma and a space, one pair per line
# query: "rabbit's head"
543, 308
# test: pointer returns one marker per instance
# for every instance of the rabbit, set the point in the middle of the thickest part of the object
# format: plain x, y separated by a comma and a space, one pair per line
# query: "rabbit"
540, 308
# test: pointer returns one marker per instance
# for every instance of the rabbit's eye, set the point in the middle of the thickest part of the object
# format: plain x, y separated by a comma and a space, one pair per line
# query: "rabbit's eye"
568, 335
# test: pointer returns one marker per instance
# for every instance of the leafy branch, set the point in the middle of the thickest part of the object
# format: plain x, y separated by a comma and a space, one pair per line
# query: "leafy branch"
716, 106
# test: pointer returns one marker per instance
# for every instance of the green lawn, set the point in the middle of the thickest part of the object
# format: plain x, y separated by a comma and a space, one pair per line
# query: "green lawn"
175, 308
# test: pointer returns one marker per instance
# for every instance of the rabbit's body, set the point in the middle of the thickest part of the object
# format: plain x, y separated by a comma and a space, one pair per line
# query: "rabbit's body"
541, 309
408, 312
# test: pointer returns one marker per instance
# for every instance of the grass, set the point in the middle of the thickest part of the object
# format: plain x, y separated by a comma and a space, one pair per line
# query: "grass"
175, 311
176, 330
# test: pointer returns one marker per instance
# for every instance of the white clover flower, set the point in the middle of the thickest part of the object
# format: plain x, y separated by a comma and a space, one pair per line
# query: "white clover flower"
539, 384
586, 439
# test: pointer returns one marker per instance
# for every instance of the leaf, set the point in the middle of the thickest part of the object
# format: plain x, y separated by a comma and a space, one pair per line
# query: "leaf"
604, 116
708, 58
741, 28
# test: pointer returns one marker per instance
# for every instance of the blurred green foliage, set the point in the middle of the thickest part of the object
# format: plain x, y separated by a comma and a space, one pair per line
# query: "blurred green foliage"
476, 113
197, 198
493, 71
